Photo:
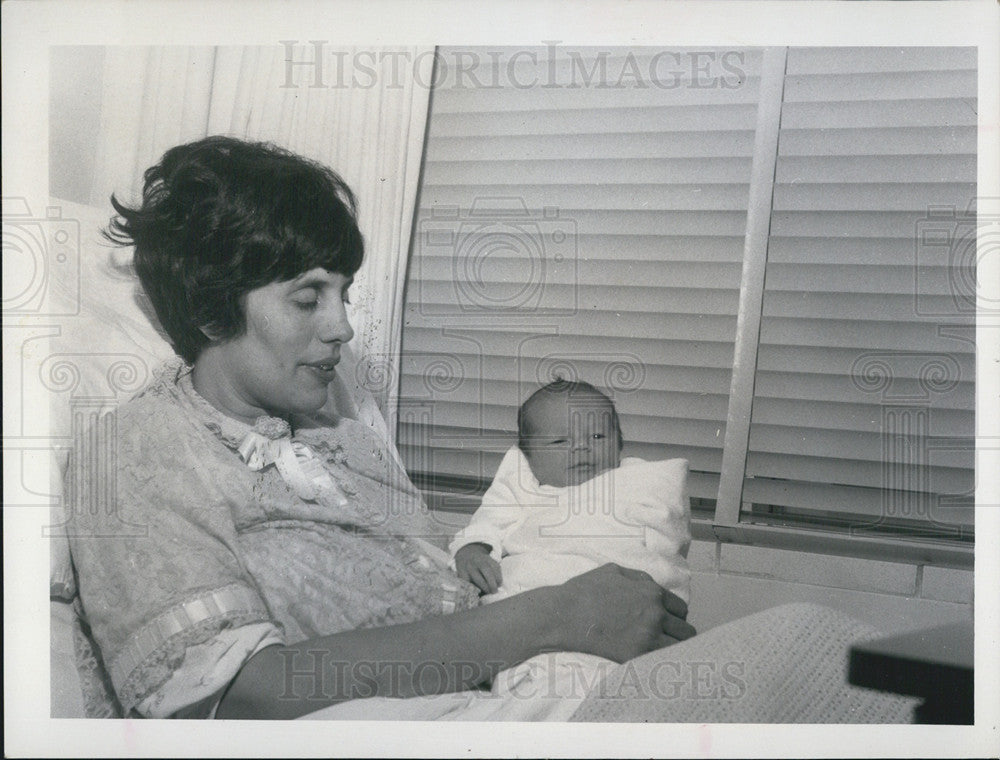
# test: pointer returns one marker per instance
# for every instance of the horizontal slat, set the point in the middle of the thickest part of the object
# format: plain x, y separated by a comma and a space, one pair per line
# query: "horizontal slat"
840, 224
665, 251
650, 196
494, 376
914, 142
858, 472
869, 168
634, 222
861, 416
497, 268
848, 333
446, 297
662, 249
660, 119
901, 279
865, 60
850, 445
527, 340
869, 503
862, 250
841, 388
889, 307
606, 147
601, 66
948, 109
540, 101
584, 324
641, 222
877, 86
891, 196
960, 362
727, 170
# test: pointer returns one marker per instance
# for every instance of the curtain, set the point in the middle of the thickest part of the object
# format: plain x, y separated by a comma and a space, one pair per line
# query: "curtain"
152, 98
366, 120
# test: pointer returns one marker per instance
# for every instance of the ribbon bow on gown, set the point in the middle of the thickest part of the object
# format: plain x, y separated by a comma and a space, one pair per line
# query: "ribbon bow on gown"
295, 461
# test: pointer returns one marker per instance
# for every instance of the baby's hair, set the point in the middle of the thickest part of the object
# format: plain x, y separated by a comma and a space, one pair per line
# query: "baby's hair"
568, 388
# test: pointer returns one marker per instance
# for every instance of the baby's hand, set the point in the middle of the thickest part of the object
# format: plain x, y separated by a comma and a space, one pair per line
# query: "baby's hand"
475, 565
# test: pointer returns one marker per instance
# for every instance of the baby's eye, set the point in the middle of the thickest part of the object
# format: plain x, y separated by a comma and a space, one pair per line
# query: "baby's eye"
346, 296
559, 440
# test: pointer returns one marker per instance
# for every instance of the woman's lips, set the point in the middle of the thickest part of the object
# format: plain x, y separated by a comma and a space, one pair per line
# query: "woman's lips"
325, 370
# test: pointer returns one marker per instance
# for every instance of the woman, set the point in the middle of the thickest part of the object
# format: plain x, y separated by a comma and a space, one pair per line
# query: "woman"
278, 560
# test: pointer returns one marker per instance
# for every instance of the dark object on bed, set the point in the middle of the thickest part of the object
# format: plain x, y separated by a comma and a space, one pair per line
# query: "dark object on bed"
935, 664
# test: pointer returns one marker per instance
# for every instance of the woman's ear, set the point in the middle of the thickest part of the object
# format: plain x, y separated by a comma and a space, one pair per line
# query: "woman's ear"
211, 332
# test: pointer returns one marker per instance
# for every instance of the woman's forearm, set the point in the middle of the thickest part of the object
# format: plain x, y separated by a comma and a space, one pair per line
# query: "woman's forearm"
432, 656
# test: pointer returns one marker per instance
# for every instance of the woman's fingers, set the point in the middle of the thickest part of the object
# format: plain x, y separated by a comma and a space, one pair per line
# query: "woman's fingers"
676, 628
674, 604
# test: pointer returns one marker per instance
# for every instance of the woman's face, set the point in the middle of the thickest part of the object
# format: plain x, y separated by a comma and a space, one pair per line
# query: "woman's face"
285, 360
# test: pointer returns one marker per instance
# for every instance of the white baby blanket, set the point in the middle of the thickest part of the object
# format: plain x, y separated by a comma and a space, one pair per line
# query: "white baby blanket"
637, 516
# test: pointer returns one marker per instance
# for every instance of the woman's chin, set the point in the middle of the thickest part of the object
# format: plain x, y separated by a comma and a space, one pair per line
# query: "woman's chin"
309, 402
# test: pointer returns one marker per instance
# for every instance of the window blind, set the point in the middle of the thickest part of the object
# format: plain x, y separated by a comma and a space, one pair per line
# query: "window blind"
864, 393
594, 230
587, 229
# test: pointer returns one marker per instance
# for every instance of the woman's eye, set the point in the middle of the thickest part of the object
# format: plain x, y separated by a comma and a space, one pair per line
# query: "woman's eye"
306, 300
346, 297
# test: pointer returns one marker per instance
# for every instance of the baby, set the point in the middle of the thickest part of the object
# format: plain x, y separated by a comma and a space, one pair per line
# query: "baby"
564, 502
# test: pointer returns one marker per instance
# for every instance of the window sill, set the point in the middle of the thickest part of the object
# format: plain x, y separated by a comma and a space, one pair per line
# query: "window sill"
884, 548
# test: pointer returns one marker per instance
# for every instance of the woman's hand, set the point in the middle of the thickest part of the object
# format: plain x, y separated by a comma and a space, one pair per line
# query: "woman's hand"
618, 613
474, 564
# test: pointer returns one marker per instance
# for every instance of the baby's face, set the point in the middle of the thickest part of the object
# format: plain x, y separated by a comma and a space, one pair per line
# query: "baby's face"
571, 440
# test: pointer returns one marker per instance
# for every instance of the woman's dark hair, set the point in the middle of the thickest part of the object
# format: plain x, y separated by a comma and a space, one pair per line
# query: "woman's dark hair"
221, 217
570, 388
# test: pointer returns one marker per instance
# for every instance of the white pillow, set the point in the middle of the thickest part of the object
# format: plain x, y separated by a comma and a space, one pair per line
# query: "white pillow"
106, 349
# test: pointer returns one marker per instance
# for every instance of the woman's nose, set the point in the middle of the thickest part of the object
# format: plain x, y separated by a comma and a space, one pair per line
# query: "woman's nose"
335, 325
